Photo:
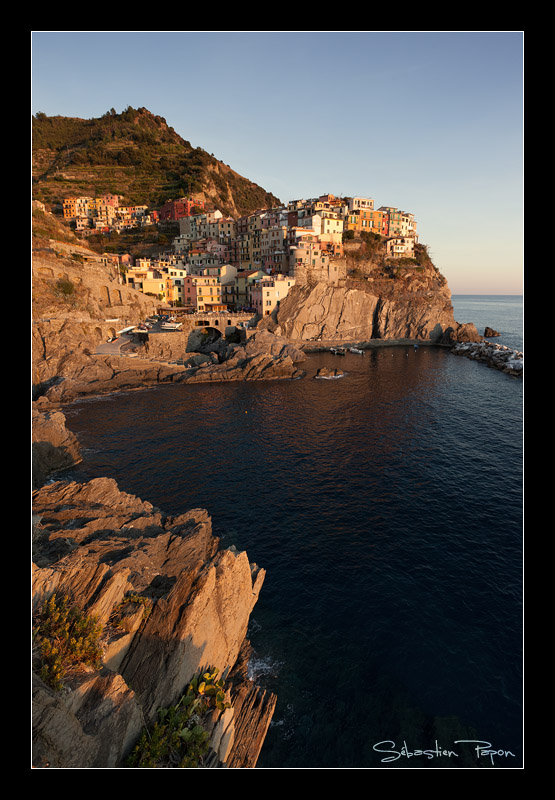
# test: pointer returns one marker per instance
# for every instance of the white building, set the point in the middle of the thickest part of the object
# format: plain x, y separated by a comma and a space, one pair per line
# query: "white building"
267, 293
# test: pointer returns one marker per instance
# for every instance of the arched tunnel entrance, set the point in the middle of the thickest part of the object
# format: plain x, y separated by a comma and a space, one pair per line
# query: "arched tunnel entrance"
202, 338
209, 333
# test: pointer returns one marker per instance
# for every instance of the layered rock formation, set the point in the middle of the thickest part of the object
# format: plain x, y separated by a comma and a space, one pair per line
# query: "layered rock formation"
263, 356
411, 303
108, 550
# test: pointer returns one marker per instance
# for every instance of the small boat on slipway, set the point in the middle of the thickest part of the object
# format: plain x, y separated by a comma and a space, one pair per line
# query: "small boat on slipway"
338, 351
356, 350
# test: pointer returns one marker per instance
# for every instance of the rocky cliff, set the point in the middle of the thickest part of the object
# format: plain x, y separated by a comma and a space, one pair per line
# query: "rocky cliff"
54, 447
370, 302
170, 604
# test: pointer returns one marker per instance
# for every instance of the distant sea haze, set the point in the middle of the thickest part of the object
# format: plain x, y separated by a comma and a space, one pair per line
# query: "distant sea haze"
386, 509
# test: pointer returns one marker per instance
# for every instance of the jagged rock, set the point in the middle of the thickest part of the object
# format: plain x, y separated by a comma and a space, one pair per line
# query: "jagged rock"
102, 374
264, 356
489, 332
197, 600
464, 332
54, 447
198, 359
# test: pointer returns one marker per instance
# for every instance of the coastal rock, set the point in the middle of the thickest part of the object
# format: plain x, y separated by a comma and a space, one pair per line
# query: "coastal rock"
365, 310
54, 447
102, 374
490, 333
463, 332
105, 548
494, 355
264, 356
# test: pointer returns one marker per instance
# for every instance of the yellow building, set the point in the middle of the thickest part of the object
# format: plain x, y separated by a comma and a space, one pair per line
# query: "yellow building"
209, 293
148, 281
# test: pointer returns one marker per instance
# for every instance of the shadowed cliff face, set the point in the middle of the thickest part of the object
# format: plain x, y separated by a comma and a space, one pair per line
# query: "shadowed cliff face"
411, 305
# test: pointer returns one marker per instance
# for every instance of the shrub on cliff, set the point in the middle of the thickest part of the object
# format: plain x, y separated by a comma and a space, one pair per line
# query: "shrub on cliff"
66, 638
178, 738
64, 288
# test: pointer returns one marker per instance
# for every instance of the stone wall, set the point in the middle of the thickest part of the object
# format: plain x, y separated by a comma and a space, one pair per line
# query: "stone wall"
331, 272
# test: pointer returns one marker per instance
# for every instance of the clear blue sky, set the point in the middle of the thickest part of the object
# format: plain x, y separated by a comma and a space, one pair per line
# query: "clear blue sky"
430, 122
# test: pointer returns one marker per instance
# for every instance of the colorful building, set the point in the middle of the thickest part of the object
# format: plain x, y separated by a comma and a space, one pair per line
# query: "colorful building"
209, 293
181, 289
400, 247
74, 207
244, 280
177, 209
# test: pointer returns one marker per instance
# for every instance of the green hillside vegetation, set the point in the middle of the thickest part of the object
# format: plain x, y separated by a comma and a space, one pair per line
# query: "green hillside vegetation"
369, 260
134, 154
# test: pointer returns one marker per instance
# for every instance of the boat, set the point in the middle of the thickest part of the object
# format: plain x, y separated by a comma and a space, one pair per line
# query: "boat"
356, 350
171, 326
338, 351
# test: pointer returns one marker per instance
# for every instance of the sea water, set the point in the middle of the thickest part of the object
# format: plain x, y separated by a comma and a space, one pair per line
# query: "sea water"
386, 509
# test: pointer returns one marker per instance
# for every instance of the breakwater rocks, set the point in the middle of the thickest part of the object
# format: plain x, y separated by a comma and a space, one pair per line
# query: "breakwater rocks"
169, 602
494, 355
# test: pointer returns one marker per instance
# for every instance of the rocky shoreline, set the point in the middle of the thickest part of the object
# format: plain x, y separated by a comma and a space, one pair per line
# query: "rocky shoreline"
169, 600
170, 359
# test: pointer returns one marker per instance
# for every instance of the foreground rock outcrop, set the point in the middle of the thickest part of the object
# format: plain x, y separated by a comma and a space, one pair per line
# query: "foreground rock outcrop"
170, 603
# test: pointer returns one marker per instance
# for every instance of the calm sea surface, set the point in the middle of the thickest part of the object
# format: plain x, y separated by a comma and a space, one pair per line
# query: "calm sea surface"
386, 508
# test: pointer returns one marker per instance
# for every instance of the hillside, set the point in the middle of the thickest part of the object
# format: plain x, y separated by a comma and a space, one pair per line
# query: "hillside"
137, 155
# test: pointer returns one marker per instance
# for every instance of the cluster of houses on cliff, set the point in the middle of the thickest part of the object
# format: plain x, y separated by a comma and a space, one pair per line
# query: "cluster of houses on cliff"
219, 262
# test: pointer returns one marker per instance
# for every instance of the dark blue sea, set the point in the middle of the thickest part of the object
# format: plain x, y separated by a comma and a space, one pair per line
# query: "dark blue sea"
386, 509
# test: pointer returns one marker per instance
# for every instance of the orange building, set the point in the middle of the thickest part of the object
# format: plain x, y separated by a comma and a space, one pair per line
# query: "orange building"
74, 207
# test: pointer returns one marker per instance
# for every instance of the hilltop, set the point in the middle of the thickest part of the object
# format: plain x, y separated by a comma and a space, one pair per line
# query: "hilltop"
135, 154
